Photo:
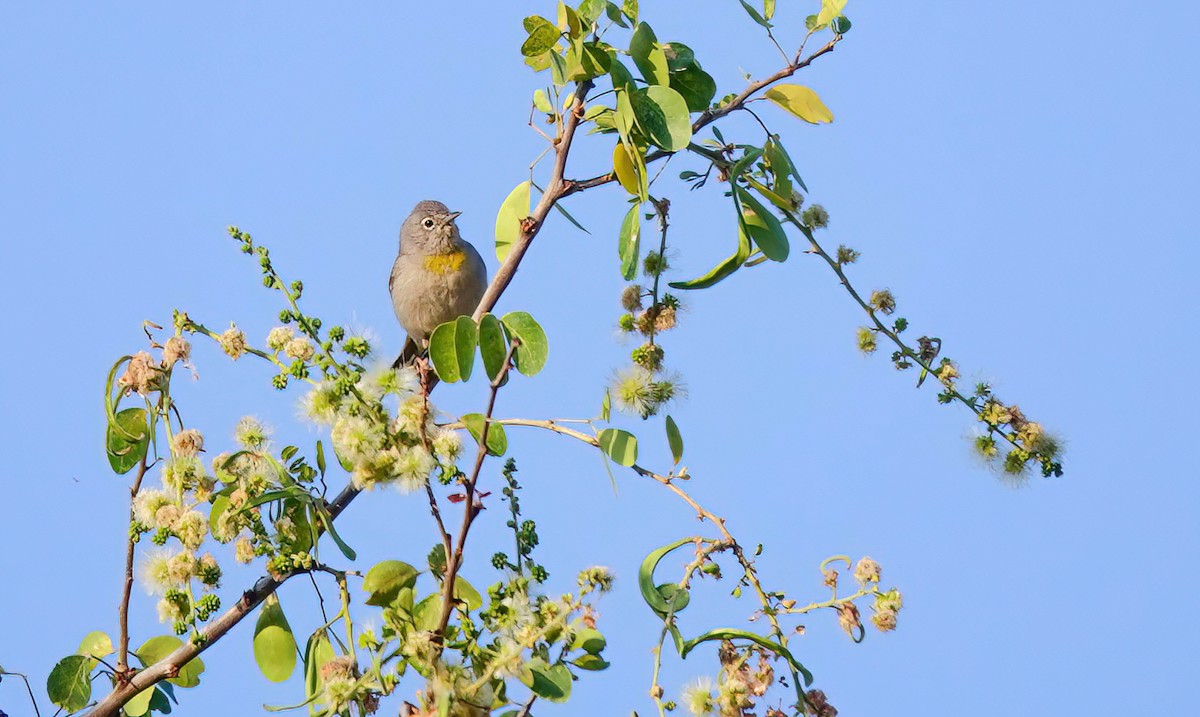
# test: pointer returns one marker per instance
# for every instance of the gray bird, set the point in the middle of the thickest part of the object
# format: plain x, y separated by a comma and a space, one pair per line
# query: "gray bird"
437, 277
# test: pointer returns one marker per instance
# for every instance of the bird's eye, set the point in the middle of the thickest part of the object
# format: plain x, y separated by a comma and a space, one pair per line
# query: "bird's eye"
428, 223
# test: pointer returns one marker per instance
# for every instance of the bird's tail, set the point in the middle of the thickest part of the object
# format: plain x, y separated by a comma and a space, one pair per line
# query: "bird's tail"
408, 354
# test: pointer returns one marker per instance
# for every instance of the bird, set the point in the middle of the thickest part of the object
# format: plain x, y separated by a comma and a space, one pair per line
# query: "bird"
437, 277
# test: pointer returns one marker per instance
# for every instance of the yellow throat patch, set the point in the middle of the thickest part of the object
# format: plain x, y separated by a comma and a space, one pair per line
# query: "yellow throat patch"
445, 263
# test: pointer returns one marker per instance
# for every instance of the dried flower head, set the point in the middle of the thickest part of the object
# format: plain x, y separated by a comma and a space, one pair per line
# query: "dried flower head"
299, 348
141, 374
176, 349
867, 571
848, 618
882, 301
846, 255
188, 443
631, 297
867, 342
815, 216
233, 342
279, 337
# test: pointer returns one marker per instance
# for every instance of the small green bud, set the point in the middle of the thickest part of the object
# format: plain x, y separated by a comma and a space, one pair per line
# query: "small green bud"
627, 322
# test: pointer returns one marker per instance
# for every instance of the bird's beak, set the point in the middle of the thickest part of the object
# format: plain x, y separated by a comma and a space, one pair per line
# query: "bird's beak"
453, 216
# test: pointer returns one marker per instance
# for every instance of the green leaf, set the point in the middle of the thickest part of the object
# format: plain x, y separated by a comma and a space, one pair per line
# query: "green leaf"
619, 445
126, 442
452, 349
531, 355
551, 682
509, 219
655, 598
829, 10
696, 86
764, 228
663, 115
629, 8
754, 15
428, 613
95, 644
157, 648
624, 118
467, 593
542, 36
492, 345
648, 55
768, 9
558, 68
749, 156
675, 440
158, 700
274, 644
321, 458
139, 704
591, 10
385, 580
590, 641
542, 102
800, 101
68, 685
629, 245
317, 652
840, 25
593, 663
613, 11
497, 441
729, 633
621, 78
726, 267
679, 56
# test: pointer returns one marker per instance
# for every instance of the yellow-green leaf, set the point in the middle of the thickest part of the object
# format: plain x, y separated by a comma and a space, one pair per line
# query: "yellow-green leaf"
621, 446
648, 55
385, 580
629, 244
800, 101
829, 10
508, 221
96, 644
274, 644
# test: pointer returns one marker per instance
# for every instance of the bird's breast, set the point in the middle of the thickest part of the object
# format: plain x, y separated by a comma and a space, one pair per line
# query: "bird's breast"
444, 264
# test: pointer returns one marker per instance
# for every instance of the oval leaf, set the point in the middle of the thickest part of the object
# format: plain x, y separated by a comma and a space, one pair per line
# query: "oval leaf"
95, 644
126, 442
800, 101
68, 685
492, 345
764, 228
696, 86
629, 245
542, 36
675, 440
139, 704
452, 349
497, 441
274, 644
157, 648
466, 592
630, 168
663, 115
648, 55
385, 580
726, 267
531, 355
508, 221
619, 445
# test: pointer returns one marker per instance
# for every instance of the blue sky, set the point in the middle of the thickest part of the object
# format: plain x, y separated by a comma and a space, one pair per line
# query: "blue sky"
1018, 179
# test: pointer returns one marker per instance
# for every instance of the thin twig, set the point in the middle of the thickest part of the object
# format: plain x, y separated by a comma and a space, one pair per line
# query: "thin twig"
127, 588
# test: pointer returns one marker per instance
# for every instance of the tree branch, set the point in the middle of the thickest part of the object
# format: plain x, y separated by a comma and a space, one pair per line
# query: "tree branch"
712, 115
170, 665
